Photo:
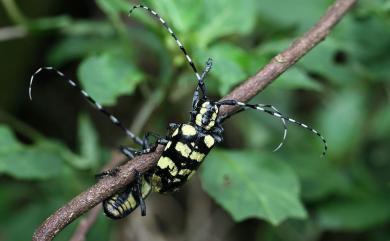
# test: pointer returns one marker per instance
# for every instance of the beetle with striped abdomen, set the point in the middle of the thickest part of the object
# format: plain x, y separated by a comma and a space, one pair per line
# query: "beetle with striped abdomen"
186, 145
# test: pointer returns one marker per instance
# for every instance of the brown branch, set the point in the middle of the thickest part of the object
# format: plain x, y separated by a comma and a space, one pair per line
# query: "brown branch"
87, 222
108, 186
281, 62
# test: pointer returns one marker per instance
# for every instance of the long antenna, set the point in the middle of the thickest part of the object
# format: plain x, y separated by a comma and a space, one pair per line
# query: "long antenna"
277, 114
113, 119
179, 44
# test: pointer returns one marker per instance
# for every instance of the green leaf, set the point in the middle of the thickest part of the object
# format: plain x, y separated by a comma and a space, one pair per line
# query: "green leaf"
380, 122
273, 47
343, 119
42, 160
88, 140
44, 24
228, 65
369, 50
38, 162
13, 224
24, 162
66, 155
356, 214
255, 131
108, 76
83, 38
77, 47
321, 61
315, 188
296, 78
281, 12
113, 7
36, 211
207, 20
90, 28
8, 141
183, 15
251, 184
218, 20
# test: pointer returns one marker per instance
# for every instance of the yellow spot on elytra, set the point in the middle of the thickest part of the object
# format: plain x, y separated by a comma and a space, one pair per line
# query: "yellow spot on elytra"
166, 162
209, 141
183, 149
214, 116
211, 124
202, 110
197, 156
198, 120
188, 130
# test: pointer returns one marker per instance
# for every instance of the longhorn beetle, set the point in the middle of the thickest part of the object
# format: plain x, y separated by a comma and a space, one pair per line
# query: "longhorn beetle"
186, 145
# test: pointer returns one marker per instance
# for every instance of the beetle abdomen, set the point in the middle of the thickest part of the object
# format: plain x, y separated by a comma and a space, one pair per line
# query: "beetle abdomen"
122, 204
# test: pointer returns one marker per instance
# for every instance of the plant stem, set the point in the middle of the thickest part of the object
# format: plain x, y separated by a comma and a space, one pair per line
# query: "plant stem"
147, 109
14, 32
14, 12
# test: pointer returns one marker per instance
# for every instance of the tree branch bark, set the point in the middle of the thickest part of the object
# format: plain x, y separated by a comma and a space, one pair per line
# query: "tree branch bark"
108, 186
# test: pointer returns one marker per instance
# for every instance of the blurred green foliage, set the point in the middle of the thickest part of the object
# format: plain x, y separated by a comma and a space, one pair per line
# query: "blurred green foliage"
264, 187
341, 88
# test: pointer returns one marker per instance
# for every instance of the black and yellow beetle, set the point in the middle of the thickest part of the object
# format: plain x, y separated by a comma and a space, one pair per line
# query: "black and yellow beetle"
186, 145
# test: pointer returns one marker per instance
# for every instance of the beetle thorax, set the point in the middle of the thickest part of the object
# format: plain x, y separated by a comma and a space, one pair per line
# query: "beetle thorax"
206, 115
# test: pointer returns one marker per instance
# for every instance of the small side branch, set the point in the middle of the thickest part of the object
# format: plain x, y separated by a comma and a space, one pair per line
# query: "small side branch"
108, 186
85, 224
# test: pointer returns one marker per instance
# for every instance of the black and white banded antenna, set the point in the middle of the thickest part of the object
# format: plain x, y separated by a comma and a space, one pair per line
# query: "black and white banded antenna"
283, 121
113, 119
278, 115
224, 118
179, 44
